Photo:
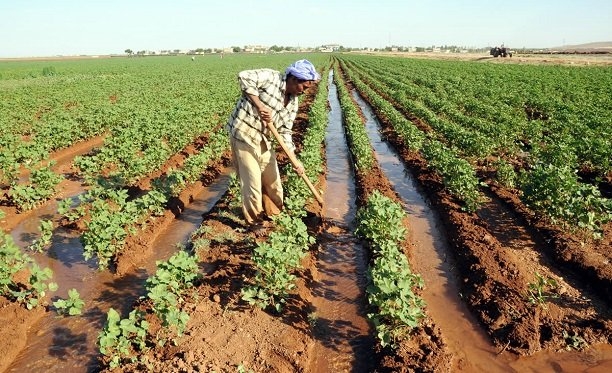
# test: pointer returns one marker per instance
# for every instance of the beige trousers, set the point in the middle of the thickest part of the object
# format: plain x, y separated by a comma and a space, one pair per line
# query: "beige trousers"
260, 183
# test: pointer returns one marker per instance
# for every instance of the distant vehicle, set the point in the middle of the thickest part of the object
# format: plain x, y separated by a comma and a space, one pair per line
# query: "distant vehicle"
500, 52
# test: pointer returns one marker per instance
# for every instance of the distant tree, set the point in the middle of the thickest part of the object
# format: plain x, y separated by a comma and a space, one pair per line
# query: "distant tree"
236, 49
177, 51
129, 52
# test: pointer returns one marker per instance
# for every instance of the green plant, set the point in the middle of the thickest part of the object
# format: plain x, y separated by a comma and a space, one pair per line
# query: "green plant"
168, 286
312, 317
39, 285
242, 369
539, 291
46, 232
123, 339
557, 192
12, 260
392, 285
71, 306
275, 260
381, 219
42, 185
505, 173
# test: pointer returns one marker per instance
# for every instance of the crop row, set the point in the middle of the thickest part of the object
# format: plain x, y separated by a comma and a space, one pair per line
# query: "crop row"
547, 181
458, 175
392, 286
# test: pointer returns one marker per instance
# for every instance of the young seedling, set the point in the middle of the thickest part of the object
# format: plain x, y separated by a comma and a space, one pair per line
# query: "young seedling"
541, 290
46, 232
71, 306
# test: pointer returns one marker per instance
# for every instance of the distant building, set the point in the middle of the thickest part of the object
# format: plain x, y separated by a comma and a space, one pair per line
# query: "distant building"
255, 49
328, 48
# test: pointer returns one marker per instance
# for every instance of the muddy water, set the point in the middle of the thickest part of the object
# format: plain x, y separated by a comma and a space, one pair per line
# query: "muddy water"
470, 346
343, 335
68, 344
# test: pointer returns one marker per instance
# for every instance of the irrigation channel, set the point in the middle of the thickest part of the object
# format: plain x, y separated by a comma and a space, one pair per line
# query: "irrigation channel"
342, 331
344, 338
68, 344
472, 350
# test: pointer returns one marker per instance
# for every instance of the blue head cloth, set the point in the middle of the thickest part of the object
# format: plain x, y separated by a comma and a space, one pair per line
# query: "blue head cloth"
303, 69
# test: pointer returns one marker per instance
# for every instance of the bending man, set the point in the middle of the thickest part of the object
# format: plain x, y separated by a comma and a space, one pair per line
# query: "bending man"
267, 95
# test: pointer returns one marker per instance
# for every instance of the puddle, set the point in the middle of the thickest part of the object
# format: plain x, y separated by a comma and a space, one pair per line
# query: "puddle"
344, 338
442, 293
69, 343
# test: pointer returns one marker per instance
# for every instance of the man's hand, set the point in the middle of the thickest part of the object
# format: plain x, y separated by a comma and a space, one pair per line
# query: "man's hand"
299, 168
265, 113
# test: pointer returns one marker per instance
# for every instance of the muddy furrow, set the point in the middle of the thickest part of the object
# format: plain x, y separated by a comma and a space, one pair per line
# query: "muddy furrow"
342, 331
72, 271
496, 272
69, 343
69, 187
425, 349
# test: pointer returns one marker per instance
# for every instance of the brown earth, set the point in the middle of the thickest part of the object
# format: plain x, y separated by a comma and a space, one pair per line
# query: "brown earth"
14, 337
499, 250
496, 256
224, 333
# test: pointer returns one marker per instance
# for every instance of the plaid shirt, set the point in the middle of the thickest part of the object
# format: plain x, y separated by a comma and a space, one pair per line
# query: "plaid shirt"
244, 123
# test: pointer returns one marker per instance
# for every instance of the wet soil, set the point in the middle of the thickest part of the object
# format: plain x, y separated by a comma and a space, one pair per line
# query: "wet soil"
497, 255
493, 255
70, 186
49, 339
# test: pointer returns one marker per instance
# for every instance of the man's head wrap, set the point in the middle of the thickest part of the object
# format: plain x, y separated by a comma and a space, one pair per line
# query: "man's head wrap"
303, 69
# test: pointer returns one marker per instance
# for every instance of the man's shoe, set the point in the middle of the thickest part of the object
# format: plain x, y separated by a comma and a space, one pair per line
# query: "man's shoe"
259, 229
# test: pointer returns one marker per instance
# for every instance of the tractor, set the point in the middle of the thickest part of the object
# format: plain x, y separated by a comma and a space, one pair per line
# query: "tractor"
500, 52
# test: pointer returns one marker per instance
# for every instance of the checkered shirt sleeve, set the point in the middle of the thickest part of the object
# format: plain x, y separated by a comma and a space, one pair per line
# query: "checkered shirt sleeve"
244, 123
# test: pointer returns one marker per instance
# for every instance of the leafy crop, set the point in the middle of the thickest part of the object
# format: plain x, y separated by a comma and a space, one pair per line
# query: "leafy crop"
123, 340
556, 191
46, 232
355, 129
42, 185
113, 220
392, 286
12, 260
539, 291
167, 287
275, 259
71, 306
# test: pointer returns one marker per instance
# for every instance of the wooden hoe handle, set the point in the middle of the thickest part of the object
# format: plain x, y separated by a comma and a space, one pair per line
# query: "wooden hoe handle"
294, 161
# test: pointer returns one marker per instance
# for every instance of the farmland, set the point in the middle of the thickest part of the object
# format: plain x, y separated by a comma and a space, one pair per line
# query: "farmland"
474, 199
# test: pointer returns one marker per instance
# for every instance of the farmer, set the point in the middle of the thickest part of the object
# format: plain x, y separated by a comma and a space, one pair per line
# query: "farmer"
267, 95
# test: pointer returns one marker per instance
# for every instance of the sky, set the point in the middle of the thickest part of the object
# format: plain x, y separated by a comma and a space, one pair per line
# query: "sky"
95, 27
